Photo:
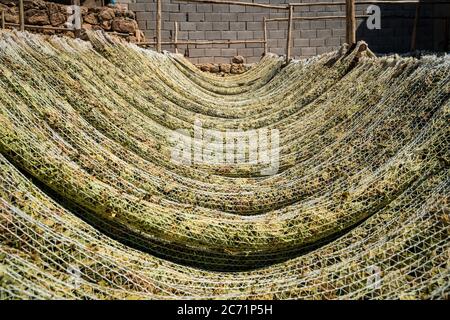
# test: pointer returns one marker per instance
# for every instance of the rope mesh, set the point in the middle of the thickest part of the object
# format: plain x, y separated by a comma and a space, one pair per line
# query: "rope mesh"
92, 205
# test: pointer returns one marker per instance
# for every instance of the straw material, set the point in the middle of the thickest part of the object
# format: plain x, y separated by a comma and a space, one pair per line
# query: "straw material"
93, 206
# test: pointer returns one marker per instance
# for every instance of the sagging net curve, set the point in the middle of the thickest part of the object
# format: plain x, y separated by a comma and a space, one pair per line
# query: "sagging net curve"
92, 207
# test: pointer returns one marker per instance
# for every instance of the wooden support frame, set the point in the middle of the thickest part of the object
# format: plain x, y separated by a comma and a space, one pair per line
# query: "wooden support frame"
237, 3
446, 34
414, 31
175, 36
200, 42
350, 22
266, 48
3, 25
158, 25
21, 16
289, 34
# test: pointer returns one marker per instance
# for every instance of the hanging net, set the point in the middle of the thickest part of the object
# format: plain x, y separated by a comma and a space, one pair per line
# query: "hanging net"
93, 205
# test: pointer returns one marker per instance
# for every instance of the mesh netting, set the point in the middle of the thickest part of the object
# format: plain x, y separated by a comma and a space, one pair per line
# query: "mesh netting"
92, 204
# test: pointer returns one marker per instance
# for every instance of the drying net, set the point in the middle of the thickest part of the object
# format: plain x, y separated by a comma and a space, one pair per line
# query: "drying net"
92, 205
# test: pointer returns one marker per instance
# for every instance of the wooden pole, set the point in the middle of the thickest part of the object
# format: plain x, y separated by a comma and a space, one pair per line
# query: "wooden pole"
237, 3
176, 37
3, 20
289, 34
446, 34
158, 25
21, 16
350, 22
265, 35
414, 31
77, 32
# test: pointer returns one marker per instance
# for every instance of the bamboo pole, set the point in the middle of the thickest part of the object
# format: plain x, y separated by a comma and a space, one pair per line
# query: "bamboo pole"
351, 22
158, 25
414, 31
3, 19
200, 42
315, 18
446, 34
176, 36
237, 3
21, 16
366, 2
289, 34
266, 49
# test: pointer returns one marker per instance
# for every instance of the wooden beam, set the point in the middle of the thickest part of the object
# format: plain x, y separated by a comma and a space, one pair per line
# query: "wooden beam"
446, 34
3, 20
414, 31
21, 16
158, 25
289, 34
316, 18
237, 3
350, 22
201, 42
175, 40
266, 49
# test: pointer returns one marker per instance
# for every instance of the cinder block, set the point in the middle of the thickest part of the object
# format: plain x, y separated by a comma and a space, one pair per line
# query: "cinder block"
317, 42
308, 34
236, 8
220, 8
213, 35
333, 41
204, 26
254, 26
197, 35
196, 52
323, 34
245, 35
212, 52
277, 34
195, 17
307, 52
188, 26
219, 26
231, 52
204, 7
229, 35
237, 26
301, 42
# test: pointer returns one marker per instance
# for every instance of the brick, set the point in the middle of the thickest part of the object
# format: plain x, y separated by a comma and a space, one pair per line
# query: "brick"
308, 34
196, 52
213, 35
311, 51
333, 41
195, 17
203, 7
220, 26
236, 8
229, 52
323, 34
254, 26
301, 42
317, 42
211, 52
188, 26
237, 26
204, 26
220, 8
245, 35
197, 35
229, 35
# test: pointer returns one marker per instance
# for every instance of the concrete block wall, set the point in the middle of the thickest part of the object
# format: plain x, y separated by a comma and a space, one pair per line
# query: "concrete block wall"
199, 21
